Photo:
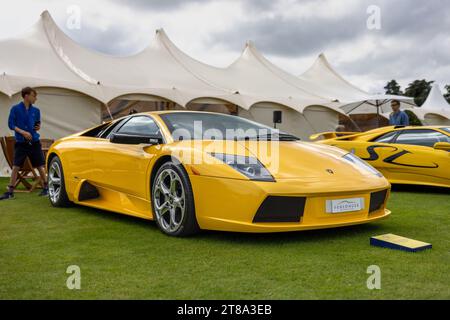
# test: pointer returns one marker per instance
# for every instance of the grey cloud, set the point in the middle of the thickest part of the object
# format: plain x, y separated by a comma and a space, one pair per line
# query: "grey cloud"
114, 41
291, 37
421, 22
424, 24
296, 37
167, 5
157, 5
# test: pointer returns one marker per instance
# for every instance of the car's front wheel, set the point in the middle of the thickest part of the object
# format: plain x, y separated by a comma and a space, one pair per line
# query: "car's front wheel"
173, 201
56, 185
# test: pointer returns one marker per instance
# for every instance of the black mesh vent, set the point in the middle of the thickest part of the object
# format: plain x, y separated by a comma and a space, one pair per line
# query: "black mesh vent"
377, 200
281, 209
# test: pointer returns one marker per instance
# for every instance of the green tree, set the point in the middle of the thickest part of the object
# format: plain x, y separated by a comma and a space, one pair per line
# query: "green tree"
413, 119
419, 90
447, 94
393, 87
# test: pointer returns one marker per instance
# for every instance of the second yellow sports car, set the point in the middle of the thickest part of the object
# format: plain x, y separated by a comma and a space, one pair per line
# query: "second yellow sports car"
194, 170
405, 155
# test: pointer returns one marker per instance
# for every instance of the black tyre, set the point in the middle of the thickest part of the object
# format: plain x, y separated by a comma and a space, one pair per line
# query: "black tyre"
173, 201
56, 184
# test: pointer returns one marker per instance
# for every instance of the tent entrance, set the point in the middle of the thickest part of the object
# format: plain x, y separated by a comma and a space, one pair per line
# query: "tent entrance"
129, 104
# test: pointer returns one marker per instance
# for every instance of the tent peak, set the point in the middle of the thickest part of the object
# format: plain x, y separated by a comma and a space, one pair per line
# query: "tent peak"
435, 99
56, 37
47, 18
323, 58
162, 37
250, 49
46, 13
322, 66
160, 31
250, 43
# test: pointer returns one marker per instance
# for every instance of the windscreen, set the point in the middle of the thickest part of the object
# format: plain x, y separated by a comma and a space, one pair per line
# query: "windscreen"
210, 126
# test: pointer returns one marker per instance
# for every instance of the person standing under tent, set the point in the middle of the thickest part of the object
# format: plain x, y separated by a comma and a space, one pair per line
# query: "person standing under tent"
398, 117
25, 121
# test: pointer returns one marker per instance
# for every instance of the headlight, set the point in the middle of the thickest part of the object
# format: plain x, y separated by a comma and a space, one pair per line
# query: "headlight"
362, 164
248, 166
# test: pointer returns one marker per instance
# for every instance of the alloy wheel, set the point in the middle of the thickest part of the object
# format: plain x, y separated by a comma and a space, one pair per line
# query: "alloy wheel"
169, 200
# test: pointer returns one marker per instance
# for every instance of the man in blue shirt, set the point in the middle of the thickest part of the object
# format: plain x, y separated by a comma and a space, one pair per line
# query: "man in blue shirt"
25, 121
398, 117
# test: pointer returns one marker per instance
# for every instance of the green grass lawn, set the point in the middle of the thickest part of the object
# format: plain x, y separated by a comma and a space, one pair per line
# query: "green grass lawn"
126, 258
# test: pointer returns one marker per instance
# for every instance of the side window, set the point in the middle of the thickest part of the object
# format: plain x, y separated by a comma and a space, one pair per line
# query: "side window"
106, 132
386, 138
140, 125
95, 132
426, 138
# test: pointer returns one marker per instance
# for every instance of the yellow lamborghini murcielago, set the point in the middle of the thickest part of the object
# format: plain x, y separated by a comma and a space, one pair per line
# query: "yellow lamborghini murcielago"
194, 170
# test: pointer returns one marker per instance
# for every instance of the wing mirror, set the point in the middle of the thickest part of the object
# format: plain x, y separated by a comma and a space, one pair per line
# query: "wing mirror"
121, 138
445, 146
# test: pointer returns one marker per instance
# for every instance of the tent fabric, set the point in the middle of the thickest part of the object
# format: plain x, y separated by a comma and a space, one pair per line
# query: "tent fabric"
4, 130
163, 70
432, 119
264, 88
435, 110
32, 59
45, 57
294, 122
64, 63
74, 82
247, 77
322, 79
160, 70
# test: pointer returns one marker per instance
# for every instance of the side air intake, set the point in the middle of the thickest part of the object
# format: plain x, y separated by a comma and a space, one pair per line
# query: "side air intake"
88, 192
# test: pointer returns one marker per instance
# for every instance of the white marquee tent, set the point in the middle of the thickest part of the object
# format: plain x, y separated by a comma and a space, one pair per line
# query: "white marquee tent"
253, 77
435, 110
324, 80
74, 83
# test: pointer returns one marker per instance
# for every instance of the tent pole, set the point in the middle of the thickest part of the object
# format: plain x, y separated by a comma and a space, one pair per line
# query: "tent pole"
378, 113
357, 106
109, 111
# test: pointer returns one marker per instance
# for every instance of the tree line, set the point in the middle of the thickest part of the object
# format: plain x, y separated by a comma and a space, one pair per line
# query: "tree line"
418, 89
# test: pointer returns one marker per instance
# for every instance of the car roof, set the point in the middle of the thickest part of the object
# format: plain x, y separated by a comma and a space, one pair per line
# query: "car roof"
163, 112
178, 111
418, 127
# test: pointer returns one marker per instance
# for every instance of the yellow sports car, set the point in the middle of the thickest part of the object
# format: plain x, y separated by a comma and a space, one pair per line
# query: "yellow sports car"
195, 170
405, 155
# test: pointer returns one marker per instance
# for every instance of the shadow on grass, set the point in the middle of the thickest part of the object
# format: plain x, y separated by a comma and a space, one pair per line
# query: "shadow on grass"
112, 216
248, 238
320, 235
419, 189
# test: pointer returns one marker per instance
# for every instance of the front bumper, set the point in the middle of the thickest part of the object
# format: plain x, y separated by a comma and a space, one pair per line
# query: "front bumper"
231, 205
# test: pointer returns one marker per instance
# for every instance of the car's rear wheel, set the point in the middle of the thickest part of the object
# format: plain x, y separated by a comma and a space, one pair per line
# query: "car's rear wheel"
173, 201
56, 185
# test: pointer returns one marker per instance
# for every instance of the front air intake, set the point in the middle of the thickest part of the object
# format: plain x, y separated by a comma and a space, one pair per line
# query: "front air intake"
377, 200
280, 209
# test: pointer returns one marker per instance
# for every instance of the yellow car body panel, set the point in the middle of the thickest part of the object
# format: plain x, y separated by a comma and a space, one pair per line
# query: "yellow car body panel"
399, 163
224, 199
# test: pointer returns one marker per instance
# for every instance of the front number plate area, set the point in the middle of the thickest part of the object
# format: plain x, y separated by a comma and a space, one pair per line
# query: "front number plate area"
345, 205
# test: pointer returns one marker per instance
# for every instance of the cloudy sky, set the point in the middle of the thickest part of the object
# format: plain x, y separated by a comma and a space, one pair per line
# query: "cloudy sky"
369, 42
